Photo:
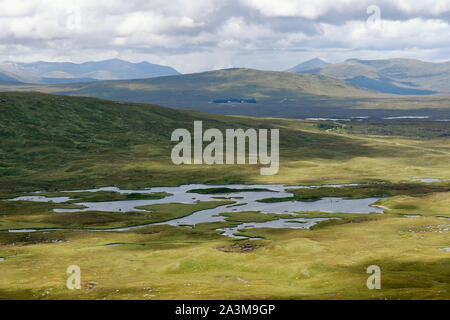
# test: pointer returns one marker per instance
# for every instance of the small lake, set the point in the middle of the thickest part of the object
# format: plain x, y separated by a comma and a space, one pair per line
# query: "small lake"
244, 201
426, 180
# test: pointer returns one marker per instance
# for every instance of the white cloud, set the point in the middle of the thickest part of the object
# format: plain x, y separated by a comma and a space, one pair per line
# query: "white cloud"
150, 22
313, 9
390, 35
17, 8
434, 7
299, 8
195, 35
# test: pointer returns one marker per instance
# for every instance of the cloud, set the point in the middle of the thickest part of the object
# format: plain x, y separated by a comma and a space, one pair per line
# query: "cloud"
391, 35
319, 8
196, 35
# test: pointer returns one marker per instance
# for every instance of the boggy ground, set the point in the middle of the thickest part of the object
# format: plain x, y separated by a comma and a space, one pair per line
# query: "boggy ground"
164, 262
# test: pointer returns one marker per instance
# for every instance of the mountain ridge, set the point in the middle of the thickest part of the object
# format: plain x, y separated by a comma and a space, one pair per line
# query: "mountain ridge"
309, 64
250, 92
394, 76
45, 72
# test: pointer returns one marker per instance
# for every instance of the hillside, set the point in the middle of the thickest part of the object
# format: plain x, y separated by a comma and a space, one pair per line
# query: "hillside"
254, 92
205, 87
395, 76
49, 141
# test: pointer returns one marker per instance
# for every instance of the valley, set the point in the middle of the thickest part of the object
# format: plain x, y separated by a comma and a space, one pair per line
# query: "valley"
105, 165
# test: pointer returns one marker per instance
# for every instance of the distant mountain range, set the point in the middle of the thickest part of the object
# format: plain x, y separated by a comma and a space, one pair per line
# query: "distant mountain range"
394, 76
219, 89
68, 72
389, 76
255, 93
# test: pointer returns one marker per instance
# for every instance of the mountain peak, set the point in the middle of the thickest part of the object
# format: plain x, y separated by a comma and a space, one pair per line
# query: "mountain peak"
315, 60
309, 64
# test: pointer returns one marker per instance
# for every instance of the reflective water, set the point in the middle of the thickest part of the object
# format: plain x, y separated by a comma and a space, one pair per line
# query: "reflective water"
407, 117
427, 180
244, 201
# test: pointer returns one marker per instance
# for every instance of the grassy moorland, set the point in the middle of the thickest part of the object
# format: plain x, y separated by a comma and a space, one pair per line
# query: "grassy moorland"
56, 143
164, 262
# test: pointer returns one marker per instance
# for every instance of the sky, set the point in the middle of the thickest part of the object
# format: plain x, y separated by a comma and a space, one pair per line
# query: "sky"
199, 35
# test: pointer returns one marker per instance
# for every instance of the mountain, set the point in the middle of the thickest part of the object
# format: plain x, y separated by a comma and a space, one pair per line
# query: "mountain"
68, 72
229, 91
310, 64
226, 86
256, 93
8, 77
393, 76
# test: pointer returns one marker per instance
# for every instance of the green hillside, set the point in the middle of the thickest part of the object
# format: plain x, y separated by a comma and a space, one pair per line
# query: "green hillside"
228, 83
49, 141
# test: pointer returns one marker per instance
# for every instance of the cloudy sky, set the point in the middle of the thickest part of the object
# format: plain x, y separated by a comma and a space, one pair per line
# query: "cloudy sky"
198, 35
